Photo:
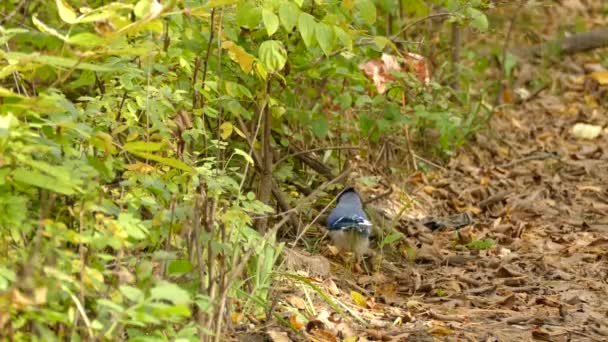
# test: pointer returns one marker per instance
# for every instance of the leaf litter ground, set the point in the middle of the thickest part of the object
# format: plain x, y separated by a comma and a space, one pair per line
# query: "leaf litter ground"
532, 188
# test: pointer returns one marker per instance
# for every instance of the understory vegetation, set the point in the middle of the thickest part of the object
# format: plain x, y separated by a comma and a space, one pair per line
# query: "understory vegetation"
156, 158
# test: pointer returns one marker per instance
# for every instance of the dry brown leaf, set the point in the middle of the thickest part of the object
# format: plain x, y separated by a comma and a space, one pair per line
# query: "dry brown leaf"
278, 336
297, 302
331, 287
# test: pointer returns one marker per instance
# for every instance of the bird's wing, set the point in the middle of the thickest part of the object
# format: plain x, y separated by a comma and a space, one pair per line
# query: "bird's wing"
353, 221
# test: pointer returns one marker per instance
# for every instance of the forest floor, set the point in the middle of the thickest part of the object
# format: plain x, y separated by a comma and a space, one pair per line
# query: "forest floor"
533, 188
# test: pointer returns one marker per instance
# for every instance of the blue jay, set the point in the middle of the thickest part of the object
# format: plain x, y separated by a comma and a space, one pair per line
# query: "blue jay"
348, 225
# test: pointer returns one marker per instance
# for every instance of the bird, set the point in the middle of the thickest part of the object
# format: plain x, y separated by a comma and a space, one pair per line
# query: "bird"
348, 225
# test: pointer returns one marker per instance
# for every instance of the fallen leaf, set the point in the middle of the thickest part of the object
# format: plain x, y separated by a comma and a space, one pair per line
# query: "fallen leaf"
297, 302
295, 323
278, 336
331, 287
586, 131
600, 77
359, 299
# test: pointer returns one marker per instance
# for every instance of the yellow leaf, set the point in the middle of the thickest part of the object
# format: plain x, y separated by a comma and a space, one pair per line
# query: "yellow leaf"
226, 130
140, 167
428, 189
240, 134
236, 317
350, 339
472, 209
358, 298
239, 55
440, 331
601, 77
40, 295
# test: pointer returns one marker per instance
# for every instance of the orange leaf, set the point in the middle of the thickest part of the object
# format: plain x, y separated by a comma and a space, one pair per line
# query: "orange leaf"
295, 323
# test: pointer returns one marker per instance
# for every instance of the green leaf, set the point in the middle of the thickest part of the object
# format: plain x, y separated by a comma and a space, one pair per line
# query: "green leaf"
299, 2
320, 127
381, 42
132, 293
143, 146
86, 39
219, 3
306, 26
66, 13
366, 124
179, 267
325, 37
170, 292
364, 12
289, 12
478, 19
110, 305
481, 244
142, 8
248, 15
344, 38
244, 155
271, 21
175, 163
273, 55
40, 180
62, 62
391, 238
416, 7
236, 90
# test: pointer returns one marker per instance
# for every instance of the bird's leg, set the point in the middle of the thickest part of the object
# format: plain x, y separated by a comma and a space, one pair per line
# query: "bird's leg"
360, 260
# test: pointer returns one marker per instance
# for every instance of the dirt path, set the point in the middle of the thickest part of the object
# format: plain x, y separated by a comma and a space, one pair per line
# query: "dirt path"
535, 190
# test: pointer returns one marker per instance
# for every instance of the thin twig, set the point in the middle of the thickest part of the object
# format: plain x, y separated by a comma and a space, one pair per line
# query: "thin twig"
505, 48
418, 21
379, 197
315, 150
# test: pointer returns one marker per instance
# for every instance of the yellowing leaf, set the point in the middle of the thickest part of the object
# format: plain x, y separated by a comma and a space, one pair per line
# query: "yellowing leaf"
143, 146
359, 299
66, 13
244, 155
226, 130
175, 163
273, 55
140, 167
